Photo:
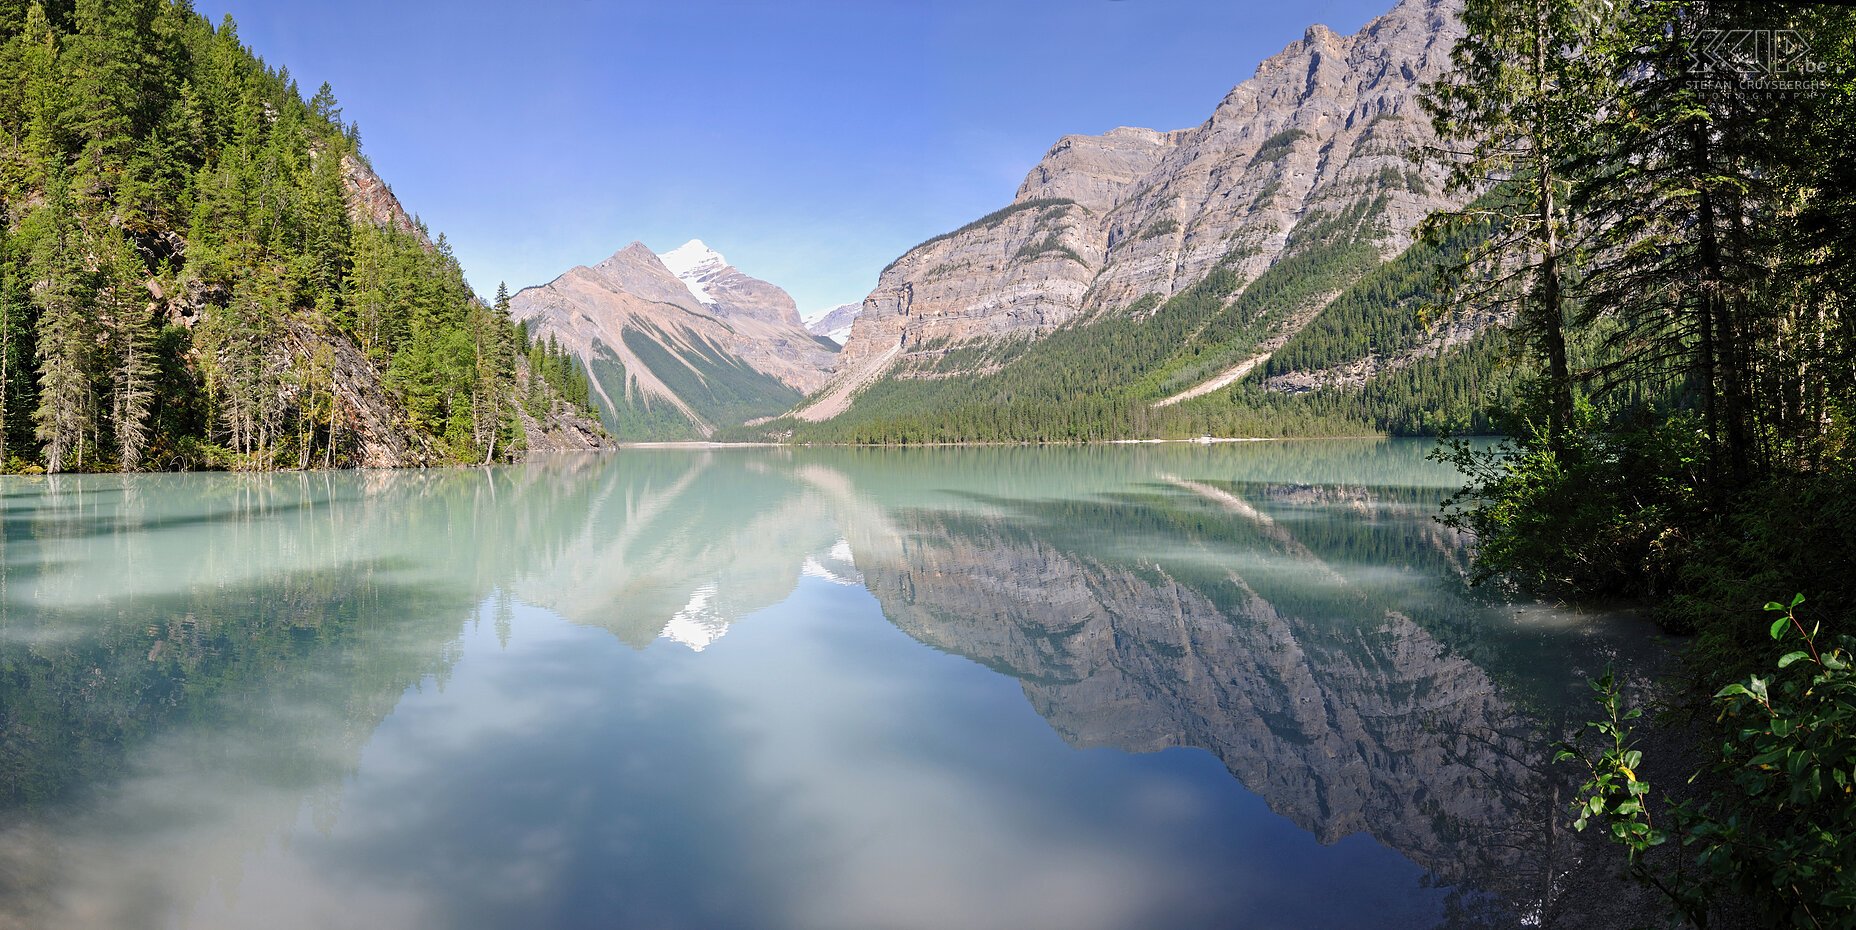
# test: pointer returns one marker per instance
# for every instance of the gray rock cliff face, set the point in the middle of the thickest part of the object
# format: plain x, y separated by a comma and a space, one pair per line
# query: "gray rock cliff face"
1326, 125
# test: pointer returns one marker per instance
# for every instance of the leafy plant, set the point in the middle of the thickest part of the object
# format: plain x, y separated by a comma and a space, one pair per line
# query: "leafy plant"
1780, 832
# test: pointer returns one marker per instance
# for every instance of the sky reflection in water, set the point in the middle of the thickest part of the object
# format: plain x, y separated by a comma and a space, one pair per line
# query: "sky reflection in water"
1126, 687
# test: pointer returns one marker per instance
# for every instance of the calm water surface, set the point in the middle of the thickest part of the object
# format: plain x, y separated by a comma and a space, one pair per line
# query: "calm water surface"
1235, 686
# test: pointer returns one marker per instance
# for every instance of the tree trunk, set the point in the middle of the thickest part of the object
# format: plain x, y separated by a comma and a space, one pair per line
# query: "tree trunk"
1550, 314
1718, 311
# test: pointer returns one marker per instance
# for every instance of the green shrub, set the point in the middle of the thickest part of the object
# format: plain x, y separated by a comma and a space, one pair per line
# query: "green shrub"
1780, 832
1601, 515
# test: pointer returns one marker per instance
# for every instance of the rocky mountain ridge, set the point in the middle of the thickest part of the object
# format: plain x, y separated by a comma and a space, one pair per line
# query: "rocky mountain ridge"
1312, 150
677, 344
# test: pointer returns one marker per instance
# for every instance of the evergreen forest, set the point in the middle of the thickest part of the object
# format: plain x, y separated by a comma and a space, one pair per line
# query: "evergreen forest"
185, 282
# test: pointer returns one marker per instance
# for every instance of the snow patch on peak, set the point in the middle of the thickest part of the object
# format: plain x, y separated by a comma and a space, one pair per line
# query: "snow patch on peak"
692, 257
695, 264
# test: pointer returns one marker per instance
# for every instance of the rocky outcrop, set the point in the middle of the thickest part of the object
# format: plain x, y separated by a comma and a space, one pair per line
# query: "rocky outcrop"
1323, 130
370, 424
1448, 334
564, 428
676, 352
370, 200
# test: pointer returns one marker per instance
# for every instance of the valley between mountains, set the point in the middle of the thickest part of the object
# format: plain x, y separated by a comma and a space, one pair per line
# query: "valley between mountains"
1257, 274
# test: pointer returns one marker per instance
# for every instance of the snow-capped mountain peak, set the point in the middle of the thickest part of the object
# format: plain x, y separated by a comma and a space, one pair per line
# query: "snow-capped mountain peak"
834, 324
695, 264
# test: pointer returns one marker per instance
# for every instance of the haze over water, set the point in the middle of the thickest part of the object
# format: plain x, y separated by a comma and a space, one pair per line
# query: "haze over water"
1000, 687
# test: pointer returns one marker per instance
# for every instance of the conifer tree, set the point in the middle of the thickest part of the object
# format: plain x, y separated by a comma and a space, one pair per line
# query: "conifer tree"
237, 340
1669, 184
1515, 116
66, 414
15, 323
45, 93
123, 311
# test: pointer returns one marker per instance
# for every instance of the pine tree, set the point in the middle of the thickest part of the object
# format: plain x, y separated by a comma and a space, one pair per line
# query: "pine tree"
325, 227
324, 107
1669, 185
1518, 110
15, 324
45, 94
123, 311
66, 414
497, 371
119, 69
237, 341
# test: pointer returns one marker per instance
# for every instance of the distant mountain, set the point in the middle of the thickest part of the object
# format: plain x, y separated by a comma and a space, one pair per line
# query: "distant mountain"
835, 324
680, 344
1139, 270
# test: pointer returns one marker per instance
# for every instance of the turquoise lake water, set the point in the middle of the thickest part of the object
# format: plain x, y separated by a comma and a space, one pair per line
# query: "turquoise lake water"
1241, 685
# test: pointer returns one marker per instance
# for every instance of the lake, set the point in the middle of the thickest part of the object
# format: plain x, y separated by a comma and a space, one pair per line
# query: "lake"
1099, 687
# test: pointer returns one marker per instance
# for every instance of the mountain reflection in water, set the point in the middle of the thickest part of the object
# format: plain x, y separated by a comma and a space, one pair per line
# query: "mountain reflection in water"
655, 688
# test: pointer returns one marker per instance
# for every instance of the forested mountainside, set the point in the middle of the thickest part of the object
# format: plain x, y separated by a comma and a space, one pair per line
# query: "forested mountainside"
1368, 362
1152, 284
680, 344
199, 269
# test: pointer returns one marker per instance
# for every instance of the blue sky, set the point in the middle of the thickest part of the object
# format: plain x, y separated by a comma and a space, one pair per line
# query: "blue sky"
809, 141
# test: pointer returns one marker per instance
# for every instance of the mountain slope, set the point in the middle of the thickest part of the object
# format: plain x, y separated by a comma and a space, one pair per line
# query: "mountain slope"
679, 344
1198, 252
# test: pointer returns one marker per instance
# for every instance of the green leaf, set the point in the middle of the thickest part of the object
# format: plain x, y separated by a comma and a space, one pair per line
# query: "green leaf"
1730, 690
1787, 659
1779, 625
